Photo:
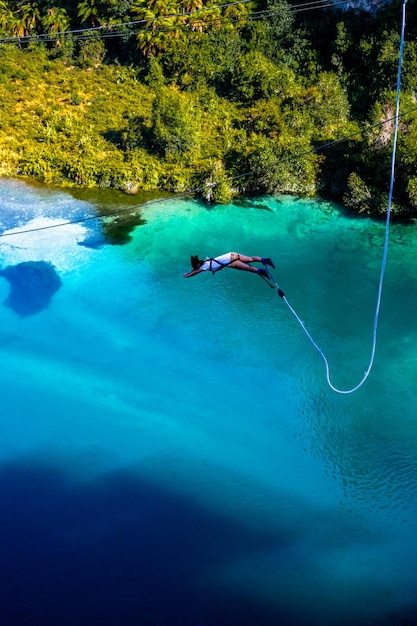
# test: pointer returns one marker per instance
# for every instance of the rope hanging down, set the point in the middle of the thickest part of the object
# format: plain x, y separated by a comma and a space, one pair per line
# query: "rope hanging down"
272, 282
386, 241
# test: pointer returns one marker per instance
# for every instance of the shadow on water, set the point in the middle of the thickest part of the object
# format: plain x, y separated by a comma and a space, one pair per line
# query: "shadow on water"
117, 551
32, 285
120, 212
121, 550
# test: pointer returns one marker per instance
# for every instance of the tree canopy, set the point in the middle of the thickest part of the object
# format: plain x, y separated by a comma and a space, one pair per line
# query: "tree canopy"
232, 99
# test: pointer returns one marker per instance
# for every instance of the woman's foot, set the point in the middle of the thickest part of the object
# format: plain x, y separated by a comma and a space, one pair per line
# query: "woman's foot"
268, 261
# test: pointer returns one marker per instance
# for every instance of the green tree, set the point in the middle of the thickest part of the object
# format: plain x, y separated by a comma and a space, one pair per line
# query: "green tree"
159, 28
93, 12
91, 51
7, 18
281, 166
257, 77
412, 192
20, 19
409, 73
56, 21
327, 105
270, 34
175, 123
204, 60
358, 195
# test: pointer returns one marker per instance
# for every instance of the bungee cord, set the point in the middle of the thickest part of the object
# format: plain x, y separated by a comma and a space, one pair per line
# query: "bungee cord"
271, 281
385, 251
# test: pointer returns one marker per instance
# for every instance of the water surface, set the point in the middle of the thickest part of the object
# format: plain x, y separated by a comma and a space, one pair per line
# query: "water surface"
170, 450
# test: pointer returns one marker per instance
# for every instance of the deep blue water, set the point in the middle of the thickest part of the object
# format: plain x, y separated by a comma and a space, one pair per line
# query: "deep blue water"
170, 452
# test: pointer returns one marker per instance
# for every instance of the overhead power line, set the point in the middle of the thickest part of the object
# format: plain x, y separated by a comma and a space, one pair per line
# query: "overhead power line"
135, 26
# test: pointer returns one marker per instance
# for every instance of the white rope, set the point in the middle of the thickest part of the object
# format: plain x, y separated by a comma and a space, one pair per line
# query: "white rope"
386, 241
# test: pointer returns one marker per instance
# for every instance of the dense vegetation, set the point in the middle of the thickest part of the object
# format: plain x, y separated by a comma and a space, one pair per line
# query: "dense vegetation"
195, 100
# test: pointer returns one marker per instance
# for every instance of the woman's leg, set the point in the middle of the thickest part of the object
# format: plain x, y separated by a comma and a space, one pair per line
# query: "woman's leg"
239, 265
250, 259
241, 262
254, 259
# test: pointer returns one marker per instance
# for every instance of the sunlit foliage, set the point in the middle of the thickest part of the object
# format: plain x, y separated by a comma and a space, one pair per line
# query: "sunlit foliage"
173, 95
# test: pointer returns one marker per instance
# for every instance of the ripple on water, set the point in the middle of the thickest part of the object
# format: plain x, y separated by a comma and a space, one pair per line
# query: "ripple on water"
207, 390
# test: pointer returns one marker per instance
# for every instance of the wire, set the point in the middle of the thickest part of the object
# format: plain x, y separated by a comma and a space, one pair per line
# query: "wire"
279, 291
82, 33
201, 188
188, 27
130, 23
312, 150
215, 21
386, 242
91, 218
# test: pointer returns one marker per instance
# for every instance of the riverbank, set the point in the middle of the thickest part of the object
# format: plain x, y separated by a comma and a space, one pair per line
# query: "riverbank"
141, 128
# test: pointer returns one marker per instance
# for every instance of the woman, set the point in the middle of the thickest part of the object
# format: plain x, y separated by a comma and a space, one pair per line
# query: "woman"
230, 259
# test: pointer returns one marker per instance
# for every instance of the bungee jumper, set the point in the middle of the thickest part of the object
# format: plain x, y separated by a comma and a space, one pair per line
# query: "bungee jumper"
230, 259
241, 262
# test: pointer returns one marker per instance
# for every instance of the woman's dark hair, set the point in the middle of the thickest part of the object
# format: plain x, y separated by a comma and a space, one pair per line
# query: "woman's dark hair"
195, 262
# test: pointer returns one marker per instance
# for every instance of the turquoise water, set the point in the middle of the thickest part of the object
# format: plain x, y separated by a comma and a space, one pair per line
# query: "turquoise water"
170, 450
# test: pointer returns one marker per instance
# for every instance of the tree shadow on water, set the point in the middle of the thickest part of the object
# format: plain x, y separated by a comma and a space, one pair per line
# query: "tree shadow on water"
121, 550
116, 551
32, 285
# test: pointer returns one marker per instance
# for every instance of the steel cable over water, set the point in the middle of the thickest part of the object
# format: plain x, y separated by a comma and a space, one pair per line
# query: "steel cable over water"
205, 186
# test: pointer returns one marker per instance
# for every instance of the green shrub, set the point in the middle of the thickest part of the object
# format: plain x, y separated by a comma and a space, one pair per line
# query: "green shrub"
91, 51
